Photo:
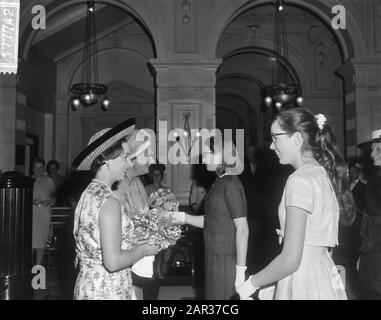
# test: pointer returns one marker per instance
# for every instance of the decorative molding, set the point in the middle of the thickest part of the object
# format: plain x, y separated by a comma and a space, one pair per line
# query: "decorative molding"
106, 36
377, 27
186, 36
186, 11
253, 33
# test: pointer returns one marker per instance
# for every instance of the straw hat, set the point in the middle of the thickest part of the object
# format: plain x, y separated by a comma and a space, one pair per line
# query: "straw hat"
376, 137
138, 146
100, 142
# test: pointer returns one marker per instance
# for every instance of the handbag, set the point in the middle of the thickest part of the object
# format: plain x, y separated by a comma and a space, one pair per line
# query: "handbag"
162, 263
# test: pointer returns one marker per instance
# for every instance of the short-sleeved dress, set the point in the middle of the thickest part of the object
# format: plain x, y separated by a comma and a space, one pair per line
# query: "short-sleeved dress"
317, 277
224, 202
94, 282
43, 190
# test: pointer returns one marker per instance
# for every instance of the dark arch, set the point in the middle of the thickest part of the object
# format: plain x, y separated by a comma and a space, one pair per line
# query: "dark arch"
316, 8
26, 39
267, 53
238, 97
243, 76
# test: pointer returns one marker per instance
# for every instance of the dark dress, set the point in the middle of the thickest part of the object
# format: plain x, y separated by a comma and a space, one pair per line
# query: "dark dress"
224, 202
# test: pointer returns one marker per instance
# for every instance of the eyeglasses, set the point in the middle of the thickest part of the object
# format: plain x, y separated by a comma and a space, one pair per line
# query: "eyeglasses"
274, 135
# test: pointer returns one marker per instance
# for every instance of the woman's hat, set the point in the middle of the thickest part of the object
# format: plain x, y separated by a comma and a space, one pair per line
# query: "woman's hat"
100, 142
137, 142
376, 137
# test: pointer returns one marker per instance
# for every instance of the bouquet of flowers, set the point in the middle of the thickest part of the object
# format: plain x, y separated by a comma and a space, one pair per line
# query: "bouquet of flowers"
157, 226
164, 199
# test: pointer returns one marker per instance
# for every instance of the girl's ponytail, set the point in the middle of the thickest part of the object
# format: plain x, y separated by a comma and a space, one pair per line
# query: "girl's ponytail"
319, 139
329, 157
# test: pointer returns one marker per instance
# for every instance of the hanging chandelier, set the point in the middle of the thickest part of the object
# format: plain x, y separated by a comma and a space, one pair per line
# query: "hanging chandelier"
283, 92
89, 91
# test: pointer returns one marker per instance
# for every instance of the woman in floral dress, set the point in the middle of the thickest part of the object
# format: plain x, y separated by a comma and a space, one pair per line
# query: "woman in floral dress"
103, 233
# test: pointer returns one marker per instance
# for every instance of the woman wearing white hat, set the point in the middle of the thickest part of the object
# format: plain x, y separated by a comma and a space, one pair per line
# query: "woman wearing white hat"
131, 193
370, 250
102, 231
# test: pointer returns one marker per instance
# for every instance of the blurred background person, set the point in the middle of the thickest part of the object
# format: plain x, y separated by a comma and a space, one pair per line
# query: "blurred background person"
346, 253
43, 191
202, 181
156, 174
370, 230
52, 168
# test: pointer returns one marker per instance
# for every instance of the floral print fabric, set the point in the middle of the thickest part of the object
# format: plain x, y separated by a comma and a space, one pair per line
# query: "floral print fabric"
94, 282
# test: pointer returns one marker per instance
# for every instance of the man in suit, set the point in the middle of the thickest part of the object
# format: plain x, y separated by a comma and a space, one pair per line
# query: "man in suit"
357, 187
370, 250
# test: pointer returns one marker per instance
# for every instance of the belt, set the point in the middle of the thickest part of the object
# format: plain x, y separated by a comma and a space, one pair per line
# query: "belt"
314, 251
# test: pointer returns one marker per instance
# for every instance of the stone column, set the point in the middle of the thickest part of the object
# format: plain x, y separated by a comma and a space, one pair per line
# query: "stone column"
367, 97
61, 138
347, 73
7, 121
184, 87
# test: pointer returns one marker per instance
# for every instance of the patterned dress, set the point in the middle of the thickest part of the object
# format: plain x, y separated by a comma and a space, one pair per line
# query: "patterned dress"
94, 282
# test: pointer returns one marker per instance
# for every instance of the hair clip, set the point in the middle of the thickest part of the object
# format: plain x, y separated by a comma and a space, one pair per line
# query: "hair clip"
321, 120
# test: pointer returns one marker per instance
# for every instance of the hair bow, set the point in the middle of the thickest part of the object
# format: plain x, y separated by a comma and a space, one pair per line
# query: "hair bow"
321, 120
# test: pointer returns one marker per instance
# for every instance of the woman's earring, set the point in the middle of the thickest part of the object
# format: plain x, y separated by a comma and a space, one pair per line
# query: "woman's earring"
108, 165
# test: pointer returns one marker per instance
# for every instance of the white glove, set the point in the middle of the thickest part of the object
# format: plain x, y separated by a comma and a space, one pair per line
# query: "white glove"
267, 293
239, 276
246, 289
179, 216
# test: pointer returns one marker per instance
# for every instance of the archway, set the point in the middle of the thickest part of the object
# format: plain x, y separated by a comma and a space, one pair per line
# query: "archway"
52, 60
352, 42
315, 53
132, 7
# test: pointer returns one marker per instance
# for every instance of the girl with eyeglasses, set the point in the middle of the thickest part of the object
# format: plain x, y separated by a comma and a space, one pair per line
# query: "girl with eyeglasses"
315, 197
